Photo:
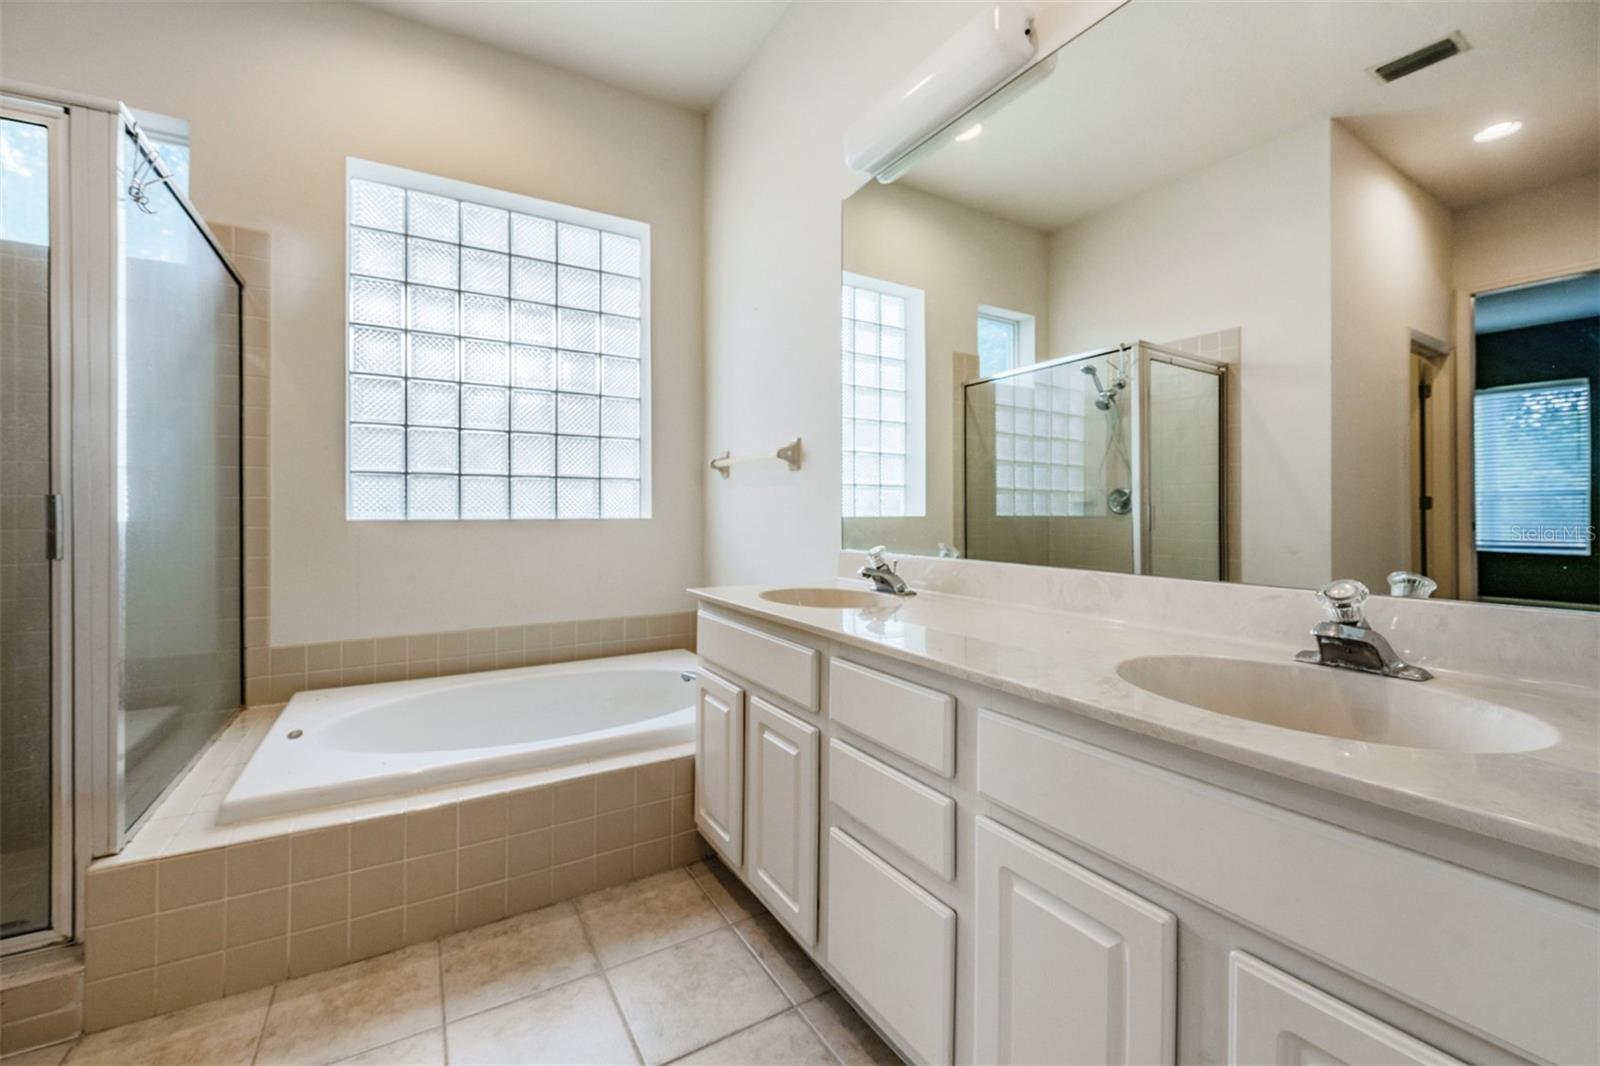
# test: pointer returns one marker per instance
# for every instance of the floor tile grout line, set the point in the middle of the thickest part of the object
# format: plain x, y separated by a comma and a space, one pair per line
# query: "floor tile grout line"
261, 1033
444, 1006
605, 977
742, 1029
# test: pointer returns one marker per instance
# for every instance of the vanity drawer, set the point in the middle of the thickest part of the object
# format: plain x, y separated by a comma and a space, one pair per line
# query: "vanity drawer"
909, 720
1527, 976
894, 947
905, 812
777, 665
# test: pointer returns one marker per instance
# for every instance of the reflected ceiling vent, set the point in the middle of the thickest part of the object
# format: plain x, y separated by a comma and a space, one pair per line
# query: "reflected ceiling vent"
1426, 56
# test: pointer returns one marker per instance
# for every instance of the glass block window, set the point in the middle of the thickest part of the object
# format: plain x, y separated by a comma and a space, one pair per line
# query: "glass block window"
1531, 460
498, 354
1040, 443
882, 397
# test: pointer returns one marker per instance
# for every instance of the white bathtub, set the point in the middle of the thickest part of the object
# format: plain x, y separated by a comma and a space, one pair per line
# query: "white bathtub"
346, 745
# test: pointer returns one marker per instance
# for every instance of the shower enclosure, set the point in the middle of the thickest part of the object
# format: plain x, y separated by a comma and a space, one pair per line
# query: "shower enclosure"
1106, 460
120, 495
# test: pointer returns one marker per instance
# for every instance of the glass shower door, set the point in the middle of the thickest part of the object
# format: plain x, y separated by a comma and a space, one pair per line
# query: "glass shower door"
27, 703
180, 520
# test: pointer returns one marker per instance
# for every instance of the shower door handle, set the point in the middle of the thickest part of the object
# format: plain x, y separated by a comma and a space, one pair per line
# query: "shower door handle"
54, 548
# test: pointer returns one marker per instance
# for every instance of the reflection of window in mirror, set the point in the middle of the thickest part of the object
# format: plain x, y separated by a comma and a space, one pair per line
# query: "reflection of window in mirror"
882, 368
1005, 340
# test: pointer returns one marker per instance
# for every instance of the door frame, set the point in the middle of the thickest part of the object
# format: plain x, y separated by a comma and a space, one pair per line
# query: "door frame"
1467, 376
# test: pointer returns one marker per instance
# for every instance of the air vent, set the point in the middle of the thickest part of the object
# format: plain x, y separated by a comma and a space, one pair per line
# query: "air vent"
1426, 56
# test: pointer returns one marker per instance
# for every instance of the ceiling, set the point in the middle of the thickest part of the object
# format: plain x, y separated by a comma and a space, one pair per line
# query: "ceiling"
1159, 90
683, 51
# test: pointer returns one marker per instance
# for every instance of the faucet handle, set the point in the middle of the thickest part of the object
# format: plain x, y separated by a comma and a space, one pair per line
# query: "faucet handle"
875, 557
1343, 599
1411, 584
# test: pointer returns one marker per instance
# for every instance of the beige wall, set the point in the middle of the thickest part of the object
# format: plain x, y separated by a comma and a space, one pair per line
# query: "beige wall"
959, 258
1391, 275
1242, 243
277, 96
1532, 234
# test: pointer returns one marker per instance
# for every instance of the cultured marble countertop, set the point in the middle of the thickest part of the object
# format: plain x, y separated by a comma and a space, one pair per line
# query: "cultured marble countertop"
1546, 800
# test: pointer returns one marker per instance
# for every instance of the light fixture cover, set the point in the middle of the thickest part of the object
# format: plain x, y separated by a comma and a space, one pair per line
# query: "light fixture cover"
1497, 131
957, 75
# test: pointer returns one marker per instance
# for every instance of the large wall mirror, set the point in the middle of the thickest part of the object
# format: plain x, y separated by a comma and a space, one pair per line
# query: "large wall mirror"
1268, 293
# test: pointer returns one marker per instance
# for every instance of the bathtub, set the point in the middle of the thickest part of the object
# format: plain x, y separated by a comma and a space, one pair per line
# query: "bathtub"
347, 745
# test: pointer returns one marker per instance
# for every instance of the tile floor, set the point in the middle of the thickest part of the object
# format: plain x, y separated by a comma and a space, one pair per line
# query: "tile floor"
684, 966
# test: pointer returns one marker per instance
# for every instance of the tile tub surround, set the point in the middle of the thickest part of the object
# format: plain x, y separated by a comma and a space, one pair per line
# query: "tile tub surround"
274, 674
1547, 801
41, 1001
221, 915
679, 966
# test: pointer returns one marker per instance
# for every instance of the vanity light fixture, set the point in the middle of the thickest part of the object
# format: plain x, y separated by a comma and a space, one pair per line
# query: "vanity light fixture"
970, 133
962, 71
1498, 131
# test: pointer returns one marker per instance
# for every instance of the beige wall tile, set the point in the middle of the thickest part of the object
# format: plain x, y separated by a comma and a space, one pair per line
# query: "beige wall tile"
192, 931
528, 893
377, 934
481, 864
43, 996
613, 830
613, 790
316, 950
481, 905
613, 868
20, 1034
574, 799
653, 782
120, 948
258, 916
430, 877
652, 858
389, 650
258, 865
430, 920
572, 879
422, 647
358, 653
652, 821
528, 852
482, 819
683, 776
530, 809
185, 880
257, 965
687, 848
457, 645
118, 1001
324, 657
183, 984
358, 675
377, 888
317, 903
574, 840
319, 853
288, 659
430, 831
376, 841
117, 893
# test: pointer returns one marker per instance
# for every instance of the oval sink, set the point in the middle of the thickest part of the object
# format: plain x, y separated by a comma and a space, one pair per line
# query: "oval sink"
832, 599
1339, 703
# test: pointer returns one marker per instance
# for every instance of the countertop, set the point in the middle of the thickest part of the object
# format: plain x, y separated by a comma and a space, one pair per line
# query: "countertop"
1546, 800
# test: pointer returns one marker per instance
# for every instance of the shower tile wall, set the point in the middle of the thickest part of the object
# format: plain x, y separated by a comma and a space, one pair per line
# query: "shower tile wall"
25, 745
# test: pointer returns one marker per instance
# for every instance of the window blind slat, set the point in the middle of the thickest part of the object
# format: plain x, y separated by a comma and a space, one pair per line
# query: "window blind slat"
1531, 468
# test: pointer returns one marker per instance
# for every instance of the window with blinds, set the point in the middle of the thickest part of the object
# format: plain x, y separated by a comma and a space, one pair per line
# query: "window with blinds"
498, 354
1531, 468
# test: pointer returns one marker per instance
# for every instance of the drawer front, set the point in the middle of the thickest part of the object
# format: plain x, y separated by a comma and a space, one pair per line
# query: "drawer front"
894, 946
1282, 1021
907, 813
909, 720
779, 666
1528, 975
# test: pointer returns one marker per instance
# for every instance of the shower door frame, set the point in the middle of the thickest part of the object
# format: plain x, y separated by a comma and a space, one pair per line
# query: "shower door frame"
64, 858
1146, 353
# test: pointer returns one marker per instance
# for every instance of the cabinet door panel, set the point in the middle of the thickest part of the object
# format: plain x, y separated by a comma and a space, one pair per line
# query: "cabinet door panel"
1071, 968
1278, 1020
719, 766
782, 816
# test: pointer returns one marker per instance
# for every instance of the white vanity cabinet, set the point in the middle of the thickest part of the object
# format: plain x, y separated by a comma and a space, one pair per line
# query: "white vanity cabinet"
781, 816
1070, 967
719, 765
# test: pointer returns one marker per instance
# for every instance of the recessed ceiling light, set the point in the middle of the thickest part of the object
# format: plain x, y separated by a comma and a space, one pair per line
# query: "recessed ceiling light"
1497, 131
972, 131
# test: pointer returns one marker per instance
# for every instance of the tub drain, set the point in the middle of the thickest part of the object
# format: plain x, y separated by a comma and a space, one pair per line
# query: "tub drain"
295, 734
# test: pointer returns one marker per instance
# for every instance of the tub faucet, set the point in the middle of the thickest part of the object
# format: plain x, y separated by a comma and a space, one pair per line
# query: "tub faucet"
881, 572
1346, 640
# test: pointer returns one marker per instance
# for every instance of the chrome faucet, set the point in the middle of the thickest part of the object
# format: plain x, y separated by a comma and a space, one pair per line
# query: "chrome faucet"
1346, 640
881, 572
